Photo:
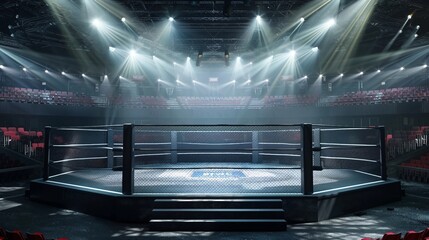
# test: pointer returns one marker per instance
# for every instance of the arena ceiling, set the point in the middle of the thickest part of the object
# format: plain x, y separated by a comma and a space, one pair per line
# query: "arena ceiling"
212, 27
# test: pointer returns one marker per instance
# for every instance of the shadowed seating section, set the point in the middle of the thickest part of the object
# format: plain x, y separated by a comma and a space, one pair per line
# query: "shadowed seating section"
412, 235
409, 235
19, 235
14, 235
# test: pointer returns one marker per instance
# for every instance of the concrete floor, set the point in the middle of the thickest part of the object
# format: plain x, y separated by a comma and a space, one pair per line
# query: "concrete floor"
18, 212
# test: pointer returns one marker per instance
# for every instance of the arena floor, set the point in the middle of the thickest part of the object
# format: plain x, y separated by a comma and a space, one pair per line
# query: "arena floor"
18, 212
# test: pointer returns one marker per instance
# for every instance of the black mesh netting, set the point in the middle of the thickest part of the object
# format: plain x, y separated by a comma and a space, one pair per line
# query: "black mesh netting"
214, 159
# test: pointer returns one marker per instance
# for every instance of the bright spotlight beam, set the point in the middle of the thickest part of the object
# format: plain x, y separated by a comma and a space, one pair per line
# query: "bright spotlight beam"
97, 23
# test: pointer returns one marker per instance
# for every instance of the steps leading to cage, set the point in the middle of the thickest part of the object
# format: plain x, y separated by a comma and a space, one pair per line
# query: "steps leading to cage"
217, 214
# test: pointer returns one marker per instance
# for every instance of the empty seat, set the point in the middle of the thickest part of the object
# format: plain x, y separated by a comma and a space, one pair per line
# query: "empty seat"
14, 235
412, 235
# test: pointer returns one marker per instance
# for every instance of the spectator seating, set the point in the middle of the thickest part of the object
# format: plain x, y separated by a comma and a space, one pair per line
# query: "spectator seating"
416, 169
214, 102
412, 235
21, 140
404, 141
383, 96
19, 235
409, 235
14, 235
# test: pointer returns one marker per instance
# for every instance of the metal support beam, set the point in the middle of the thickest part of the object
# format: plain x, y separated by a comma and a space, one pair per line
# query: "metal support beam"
128, 160
383, 164
110, 145
307, 159
46, 153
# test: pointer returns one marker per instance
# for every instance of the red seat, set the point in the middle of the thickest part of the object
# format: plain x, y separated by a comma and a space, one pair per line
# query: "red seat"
14, 235
412, 235
424, 234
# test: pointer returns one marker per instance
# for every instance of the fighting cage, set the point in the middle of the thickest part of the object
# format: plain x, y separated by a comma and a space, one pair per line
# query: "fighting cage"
214, 159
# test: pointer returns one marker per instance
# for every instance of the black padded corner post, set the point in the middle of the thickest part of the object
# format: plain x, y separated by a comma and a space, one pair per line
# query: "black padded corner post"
110, 145
307, 159
128, 160
383, 164
46, 153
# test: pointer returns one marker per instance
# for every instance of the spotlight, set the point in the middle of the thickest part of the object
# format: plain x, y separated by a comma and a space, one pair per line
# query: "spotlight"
133, 53
233, 81
361, 73
425, 66
331, 22
302, 20
251, 63
159, 80
174, 63
63, 73
123, 19
120, 77
226, 58
342, 74
258, 19
83, 75
321, 75
97, 23
112, 49
409, 16
416, 35
188, 59
24, 69
292, 53
305, 76
9, 26
315, 49
199, 56
378, 71
1, 66
418, 27
171, 19
46, 71
383, 83
238, 58
402, 68
12, 35
105, 76
400, 31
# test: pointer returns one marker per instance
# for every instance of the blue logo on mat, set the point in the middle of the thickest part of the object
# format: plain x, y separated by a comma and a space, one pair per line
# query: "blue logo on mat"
218, 174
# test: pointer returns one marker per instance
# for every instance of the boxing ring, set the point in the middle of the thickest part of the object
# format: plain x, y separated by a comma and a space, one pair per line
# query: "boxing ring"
324, 171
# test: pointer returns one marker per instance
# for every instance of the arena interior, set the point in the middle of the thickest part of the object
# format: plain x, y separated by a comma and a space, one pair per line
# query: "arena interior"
135, 119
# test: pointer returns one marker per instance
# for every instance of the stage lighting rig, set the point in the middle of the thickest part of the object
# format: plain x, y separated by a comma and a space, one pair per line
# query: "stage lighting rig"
226, 57
199, 57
